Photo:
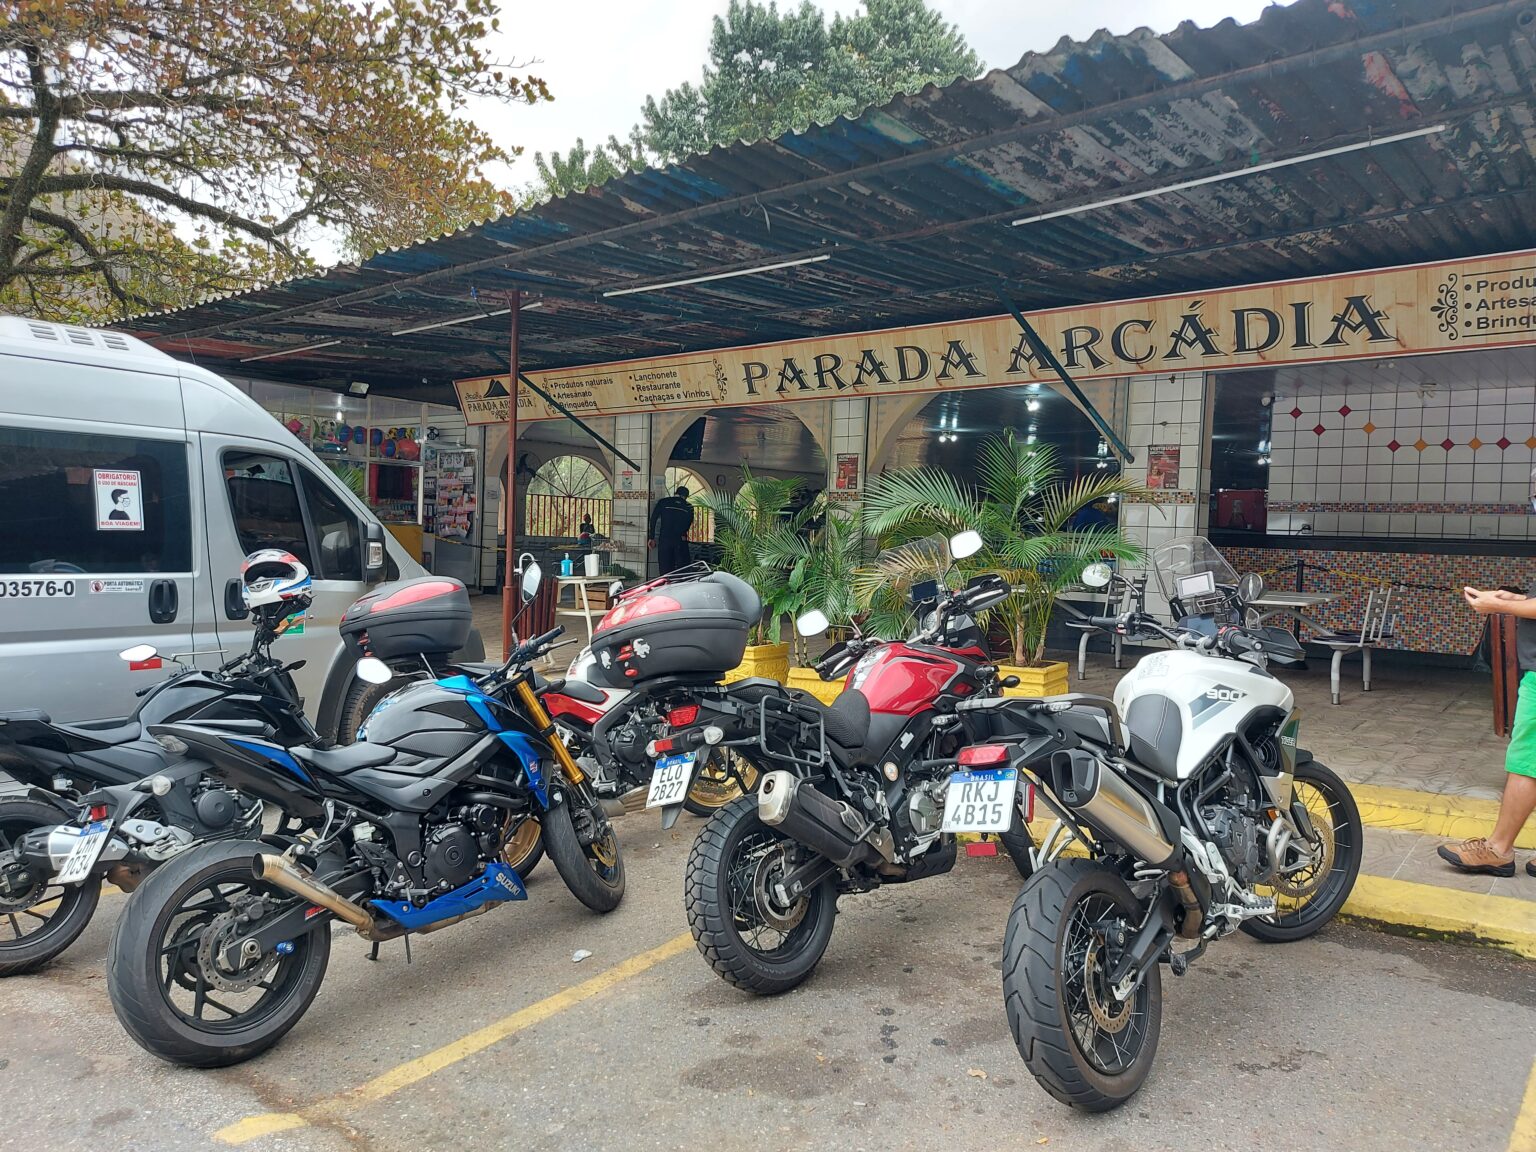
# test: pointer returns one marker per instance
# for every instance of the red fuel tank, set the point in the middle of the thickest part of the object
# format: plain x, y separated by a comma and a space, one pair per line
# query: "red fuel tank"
903, 680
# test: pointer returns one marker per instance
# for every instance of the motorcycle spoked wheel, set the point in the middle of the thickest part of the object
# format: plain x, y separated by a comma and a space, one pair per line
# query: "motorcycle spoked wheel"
169, 982
1309, 896
722, 778
750, 940
1082, 1045
43, 918
581, 841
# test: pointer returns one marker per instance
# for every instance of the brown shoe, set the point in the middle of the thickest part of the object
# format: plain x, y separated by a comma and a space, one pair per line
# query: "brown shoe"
1478, 856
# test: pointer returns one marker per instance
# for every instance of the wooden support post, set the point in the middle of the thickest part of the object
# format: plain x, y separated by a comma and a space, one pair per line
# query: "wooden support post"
509, 595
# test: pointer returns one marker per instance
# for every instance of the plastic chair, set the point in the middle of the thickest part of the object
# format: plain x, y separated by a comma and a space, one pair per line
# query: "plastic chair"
1373, 630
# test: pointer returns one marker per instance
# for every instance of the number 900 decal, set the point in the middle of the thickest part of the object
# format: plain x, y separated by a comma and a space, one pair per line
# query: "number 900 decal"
34, 588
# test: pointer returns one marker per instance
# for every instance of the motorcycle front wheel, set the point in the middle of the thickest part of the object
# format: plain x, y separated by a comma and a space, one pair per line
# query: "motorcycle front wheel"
580, 840
169, 976
1314, 879
39, 918
751, 940
1081, 1043
722, 778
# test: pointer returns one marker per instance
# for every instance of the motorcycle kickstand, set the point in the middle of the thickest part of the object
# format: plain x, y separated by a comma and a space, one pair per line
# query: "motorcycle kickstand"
1179, 962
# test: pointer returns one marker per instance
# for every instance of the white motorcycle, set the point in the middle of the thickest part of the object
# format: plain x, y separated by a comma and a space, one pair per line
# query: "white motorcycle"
1198, 812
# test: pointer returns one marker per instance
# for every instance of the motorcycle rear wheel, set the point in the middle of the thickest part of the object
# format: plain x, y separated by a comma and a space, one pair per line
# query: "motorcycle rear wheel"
761, 952
714, 786
1082, 1045
158, 977
592, 866
39, 924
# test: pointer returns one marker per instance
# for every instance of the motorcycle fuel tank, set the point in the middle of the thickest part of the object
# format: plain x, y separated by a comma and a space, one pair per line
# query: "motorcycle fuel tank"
426, 719
903, 680
1211, 697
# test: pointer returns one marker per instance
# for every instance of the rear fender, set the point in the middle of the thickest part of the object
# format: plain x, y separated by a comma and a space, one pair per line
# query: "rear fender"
43, 796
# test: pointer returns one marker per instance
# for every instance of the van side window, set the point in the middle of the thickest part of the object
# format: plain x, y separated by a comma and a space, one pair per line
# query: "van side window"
72, 502
336, 528
265, 503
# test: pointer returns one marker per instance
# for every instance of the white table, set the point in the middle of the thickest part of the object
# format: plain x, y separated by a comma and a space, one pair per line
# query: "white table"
581, 584
1275, 602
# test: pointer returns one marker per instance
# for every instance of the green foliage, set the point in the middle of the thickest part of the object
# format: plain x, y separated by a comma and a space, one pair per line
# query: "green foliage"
819, 549
1024, 513
582, 167
154, 152
747, 524
772, 72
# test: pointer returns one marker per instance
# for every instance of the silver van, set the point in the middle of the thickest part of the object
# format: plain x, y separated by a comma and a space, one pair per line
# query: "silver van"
131, 486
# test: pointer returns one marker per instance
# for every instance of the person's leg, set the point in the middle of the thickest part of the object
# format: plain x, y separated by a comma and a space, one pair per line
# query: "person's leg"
1495, 855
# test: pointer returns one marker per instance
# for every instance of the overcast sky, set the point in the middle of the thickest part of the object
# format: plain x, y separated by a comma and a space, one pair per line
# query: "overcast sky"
602, 58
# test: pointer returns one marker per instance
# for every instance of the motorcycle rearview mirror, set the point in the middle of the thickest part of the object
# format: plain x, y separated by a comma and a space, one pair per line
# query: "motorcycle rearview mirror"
1097, 575
533, 575
812, 623
374, 671
615, 590
138, 652
963, 544
1250, 588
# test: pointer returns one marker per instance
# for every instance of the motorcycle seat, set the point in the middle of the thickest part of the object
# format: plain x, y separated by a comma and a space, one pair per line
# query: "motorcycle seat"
24, 715
111, 732
845, 720
339, 761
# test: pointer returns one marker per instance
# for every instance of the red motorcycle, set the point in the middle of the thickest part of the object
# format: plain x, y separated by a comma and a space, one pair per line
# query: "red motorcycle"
852, 795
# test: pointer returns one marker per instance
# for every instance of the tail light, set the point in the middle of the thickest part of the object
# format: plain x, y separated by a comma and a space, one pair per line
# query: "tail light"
683, 715
982, 754
97, 812
638, 608
660, 746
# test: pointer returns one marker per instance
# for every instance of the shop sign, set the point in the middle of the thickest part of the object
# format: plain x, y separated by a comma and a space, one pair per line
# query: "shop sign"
1484, 302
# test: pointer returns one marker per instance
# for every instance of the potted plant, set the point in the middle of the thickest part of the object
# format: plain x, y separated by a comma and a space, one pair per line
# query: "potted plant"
746, 524
1032, 524
818, 550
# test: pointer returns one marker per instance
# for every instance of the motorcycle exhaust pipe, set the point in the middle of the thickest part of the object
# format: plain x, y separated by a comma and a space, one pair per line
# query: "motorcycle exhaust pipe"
278, 871
1113, 806
822, 824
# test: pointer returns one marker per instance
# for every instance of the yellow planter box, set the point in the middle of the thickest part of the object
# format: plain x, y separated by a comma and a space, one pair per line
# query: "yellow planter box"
770, 660
1046, 680
807, 681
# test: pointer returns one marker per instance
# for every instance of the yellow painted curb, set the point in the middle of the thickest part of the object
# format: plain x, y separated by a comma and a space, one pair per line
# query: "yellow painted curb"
1432, 814
1444, 913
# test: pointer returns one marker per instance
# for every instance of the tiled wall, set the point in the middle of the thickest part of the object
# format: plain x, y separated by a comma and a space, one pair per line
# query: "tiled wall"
1166, 411
850, 421
631, 504
1453, 463
1431, 617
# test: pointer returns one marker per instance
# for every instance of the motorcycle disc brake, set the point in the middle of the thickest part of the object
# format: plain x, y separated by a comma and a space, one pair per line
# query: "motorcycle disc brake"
1111, 1017
770, 868
1301, 880
220, 932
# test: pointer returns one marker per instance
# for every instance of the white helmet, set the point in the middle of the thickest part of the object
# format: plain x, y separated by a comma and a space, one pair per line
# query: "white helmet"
275, 576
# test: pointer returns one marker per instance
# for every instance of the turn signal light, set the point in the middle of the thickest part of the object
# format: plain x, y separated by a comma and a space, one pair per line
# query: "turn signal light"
683, 715
979, 754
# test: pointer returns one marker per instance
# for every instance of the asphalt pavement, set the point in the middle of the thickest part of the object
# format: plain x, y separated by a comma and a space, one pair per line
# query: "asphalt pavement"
494, 1038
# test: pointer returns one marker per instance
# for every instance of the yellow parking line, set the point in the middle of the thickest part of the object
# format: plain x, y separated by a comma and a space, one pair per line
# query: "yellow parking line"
1523, 1138
412, 1071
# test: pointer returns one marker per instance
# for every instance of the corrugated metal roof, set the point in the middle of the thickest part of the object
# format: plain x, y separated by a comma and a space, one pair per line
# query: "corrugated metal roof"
913, 202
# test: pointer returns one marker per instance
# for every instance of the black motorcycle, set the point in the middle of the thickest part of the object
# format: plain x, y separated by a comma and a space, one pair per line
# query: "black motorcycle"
221, 951
121, 804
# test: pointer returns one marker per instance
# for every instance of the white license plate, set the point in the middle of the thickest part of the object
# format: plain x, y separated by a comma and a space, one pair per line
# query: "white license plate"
669, 783
36, 588
82, 858
980, 800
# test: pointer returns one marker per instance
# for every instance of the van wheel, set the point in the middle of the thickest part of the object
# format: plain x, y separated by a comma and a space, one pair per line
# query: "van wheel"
361, 699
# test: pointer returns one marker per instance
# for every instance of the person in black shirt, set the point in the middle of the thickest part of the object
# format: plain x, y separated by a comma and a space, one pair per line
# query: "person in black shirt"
671, 521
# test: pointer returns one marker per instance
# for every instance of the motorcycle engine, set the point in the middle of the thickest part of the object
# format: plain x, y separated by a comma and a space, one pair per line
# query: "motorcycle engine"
1241, 842
453, 851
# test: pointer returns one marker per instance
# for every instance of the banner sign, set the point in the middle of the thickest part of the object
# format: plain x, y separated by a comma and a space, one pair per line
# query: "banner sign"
1479, 303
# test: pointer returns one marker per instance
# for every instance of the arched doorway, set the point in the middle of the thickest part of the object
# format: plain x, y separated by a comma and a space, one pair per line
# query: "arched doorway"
561, 492
677, 476
771, 441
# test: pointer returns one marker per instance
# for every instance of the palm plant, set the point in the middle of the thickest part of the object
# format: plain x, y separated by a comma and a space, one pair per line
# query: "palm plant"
1024, 512
746, 522
819, 562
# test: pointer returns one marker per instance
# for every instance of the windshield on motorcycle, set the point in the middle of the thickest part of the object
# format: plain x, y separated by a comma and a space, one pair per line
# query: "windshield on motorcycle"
1190, 569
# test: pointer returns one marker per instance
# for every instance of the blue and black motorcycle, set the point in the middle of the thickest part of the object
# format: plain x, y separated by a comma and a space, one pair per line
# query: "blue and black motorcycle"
221, 951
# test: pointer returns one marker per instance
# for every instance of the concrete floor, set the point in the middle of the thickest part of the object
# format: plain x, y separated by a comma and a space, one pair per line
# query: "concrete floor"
1351, 1040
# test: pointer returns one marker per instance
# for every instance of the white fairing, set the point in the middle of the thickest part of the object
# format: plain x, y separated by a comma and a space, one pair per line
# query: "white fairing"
1213, 695
581, 669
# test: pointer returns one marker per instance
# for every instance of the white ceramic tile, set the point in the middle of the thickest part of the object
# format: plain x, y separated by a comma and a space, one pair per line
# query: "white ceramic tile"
1484, 527
1405, 493
1355, 456
1352, 474
1166, 389
1486, 491
1134, 515
1184, 516
1516, 491
1325, 523
1432, 471
1458, 472
1431, 490
1429, 526
1457, 527
1402, 524
1351, 523
1328, 455
1458, 491
1282, 438
1375, 524
1513, 527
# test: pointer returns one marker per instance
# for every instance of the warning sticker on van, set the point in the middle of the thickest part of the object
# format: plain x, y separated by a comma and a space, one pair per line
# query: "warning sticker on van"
117, 586
119, 501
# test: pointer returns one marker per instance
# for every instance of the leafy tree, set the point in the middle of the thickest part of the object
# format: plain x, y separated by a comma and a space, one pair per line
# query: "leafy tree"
581, 168
152, 149
773, 72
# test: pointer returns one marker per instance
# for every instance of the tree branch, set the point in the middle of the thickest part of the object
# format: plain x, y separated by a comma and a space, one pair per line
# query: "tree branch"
23, 187
81, 240
106, 182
